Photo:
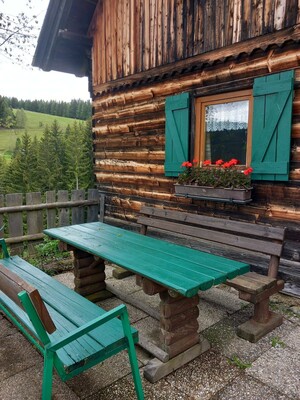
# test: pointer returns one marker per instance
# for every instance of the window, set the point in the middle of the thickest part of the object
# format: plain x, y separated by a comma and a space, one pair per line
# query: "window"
223, 127
222, 130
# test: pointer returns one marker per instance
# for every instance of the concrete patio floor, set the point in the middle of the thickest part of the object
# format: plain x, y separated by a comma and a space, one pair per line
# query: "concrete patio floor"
232, 369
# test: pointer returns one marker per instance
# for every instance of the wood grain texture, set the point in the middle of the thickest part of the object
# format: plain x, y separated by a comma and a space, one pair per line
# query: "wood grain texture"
138, 35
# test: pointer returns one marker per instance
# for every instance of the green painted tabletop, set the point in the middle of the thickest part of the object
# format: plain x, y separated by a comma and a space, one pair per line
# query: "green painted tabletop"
176, 267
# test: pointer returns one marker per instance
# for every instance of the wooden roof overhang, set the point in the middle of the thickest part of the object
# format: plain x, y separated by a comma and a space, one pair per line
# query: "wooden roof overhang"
63, 43
273, 52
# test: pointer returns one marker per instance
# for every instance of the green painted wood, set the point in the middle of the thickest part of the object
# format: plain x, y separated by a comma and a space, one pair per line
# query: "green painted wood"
177, 110
67, 309
85, 334
175, 267
272, 123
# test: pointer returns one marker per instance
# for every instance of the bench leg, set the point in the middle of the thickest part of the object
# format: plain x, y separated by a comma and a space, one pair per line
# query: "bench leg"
47, 376
132, 357
263, 320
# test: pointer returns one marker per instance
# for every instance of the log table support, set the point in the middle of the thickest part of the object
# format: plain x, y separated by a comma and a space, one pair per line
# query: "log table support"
89, 275
179, 338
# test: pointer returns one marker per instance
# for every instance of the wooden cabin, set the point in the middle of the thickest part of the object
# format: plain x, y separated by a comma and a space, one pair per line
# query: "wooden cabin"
155, 67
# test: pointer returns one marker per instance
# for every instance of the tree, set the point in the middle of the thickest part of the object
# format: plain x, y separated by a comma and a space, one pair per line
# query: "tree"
17, 33
22, 168
52, 159
3, 174
7, 117
74, 154
20, 119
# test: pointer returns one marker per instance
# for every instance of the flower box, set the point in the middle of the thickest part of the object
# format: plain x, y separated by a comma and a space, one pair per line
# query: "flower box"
213, 193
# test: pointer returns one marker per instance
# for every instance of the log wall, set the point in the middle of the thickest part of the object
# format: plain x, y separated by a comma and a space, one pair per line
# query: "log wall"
129, 142
132, 36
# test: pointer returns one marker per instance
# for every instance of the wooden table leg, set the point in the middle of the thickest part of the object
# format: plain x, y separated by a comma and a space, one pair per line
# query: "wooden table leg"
179, 339
178, 322
89, 273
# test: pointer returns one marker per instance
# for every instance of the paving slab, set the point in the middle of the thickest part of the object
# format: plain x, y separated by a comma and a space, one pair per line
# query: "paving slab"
6, 328
16, 354
222, 337
27, 384
293, 339
104, 374
279, 368
246, 387
205, 376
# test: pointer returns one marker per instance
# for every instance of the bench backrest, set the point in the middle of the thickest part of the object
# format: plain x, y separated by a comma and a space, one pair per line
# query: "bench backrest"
241, 235
12, 285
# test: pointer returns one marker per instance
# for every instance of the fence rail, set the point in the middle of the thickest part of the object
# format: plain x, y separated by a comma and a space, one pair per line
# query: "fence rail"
21, 222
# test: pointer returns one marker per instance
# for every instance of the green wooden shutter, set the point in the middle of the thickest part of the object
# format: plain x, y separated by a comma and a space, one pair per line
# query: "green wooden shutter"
177, 110
271, 132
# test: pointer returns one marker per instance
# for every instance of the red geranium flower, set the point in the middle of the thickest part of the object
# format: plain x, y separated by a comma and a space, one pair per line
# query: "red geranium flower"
233, 161
207, 162
248, 171
227, 165
219, 162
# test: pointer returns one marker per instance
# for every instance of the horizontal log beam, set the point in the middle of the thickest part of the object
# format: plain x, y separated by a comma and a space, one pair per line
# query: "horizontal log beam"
129, 166
130, 126
132, 179
25, 238
125, 141
139, 154
60, 204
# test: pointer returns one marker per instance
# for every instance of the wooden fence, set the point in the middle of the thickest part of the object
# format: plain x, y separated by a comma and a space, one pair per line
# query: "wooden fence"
21, 222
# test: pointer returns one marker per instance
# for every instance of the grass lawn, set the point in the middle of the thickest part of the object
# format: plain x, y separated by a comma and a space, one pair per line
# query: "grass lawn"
35, 125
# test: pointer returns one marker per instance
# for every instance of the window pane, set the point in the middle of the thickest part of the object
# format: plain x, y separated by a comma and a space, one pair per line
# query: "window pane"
226, 127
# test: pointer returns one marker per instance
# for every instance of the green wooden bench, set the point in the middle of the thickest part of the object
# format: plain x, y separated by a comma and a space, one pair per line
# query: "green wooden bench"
225, 236
72, 333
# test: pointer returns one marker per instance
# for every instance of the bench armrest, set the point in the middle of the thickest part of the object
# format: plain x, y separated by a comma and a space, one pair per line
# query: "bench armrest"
87, 327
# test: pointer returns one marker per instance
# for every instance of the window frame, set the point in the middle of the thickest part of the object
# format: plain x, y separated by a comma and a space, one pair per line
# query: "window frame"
199, 115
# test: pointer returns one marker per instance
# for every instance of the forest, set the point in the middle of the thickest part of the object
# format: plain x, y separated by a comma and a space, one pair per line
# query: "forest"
76, 108
60, 160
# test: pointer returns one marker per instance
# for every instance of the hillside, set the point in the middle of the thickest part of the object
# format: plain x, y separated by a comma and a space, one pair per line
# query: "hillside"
35, 125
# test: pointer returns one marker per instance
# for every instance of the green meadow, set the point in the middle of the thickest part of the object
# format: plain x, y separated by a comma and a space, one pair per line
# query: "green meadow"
35, 125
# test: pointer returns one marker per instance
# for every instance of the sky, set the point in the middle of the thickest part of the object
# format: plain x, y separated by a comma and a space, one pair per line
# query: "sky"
26, 82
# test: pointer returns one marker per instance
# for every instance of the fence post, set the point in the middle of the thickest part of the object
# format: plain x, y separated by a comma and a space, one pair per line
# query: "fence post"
64, 213
93, 210
15, 220
34, 218
51, 213
77, 212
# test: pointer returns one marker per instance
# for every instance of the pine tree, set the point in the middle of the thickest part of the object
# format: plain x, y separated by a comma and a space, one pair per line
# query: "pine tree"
88, 178
22, 168
3, 174
52, 159
20, 119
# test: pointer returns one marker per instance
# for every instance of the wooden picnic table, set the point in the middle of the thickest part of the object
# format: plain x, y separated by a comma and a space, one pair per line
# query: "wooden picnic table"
176, 272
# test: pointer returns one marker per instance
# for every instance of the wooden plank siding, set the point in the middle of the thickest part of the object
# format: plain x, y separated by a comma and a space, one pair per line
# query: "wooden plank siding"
133, 36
